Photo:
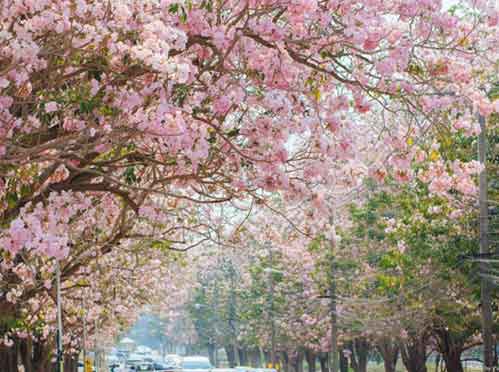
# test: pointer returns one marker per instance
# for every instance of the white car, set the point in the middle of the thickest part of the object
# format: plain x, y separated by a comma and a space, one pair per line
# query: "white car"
196, 364
173, 358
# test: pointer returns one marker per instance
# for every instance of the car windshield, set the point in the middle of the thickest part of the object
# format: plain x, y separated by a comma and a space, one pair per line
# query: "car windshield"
196, 364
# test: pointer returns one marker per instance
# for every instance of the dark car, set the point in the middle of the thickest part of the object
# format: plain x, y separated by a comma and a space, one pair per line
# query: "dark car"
144, 366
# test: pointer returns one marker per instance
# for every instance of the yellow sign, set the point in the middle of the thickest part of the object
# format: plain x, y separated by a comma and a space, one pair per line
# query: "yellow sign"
88, 365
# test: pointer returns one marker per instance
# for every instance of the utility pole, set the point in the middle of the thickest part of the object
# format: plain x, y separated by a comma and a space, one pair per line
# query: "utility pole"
333, 357
485, 289
60, 356
271, 307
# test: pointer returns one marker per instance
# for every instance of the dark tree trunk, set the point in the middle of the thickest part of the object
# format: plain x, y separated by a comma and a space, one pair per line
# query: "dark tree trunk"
70, 363
8, 359
451, 346
254, 357
301, 357
297, 361
413, 352
310, 357
360, 351
389, 351
231, 356
343, 362
453, 361
41, 357
26, 349
284, 361
267, 356
243, 357
211, 354
323, 358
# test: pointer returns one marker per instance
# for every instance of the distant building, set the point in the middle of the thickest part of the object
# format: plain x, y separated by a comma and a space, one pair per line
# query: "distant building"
127, 344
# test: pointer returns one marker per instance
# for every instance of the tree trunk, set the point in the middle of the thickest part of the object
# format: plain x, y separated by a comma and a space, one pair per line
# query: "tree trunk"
266, 358
310, 357
343, 362
284, 361
389, 350
243, 357
254, 357
413, 352
211, 354
231, 356
451, 346
8, 359
70, 363
413, 357
41, 357
297, 361
323, 357
360, 350
453, 361
26, 349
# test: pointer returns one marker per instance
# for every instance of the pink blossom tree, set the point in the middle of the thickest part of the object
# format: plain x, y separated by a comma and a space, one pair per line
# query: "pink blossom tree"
121, 121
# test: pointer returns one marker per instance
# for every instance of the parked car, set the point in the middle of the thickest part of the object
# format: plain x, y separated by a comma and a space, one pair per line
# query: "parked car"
165, 367
244, 369
132, 362
141, 366
115, 366
196, 364
173, 358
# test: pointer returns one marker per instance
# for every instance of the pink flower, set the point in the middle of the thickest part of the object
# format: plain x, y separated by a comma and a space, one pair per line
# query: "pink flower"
372, 41
4, 83
402, 175
440, 184
221, 105
51, 107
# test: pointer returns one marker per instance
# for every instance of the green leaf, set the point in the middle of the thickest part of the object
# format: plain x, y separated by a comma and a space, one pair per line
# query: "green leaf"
161, 245
183, 16
173, 9
130, 176
233, 132
12, 199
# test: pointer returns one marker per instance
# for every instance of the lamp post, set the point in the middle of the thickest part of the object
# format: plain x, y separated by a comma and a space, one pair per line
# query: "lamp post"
485, 287
333, 355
